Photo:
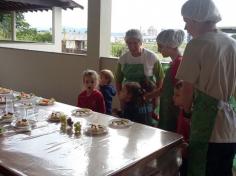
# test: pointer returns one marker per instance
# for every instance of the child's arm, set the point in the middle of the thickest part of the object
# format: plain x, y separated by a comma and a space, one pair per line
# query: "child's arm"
101, 104
187, 93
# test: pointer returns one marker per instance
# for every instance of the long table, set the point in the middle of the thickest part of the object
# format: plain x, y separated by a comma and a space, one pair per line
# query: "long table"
48, 151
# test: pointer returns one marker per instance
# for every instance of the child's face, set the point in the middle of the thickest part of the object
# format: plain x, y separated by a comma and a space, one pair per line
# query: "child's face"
124, 95
90, 83
178, 98
103, 80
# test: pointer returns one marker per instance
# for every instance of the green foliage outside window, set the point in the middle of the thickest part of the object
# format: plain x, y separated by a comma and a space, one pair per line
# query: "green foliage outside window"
23, 30
5, 26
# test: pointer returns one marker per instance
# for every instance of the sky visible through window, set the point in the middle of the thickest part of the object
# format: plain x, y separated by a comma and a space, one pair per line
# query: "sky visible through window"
141, 14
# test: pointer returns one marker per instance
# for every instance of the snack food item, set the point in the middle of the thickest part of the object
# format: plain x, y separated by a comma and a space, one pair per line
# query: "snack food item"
70, 122
82, 112
95, 129
24, 95
7, 118
77, 127
8, 115
4, 90
46, 102
22, 123
56, 116
120, 123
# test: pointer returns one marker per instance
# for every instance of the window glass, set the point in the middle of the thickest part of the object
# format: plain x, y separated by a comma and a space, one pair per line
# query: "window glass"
74, 30
32, 26
5, 26
153, 16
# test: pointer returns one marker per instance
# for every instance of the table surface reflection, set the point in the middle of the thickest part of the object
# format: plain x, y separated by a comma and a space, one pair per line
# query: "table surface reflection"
46, 150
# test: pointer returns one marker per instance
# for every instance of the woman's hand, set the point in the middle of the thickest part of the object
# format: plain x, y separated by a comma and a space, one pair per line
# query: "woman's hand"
149, 95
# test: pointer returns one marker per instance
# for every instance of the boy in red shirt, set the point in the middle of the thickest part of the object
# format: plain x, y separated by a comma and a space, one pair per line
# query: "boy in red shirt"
91, 97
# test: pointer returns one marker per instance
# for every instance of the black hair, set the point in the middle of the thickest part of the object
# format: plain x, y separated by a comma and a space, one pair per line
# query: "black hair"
136, 91
179, 85
147, 85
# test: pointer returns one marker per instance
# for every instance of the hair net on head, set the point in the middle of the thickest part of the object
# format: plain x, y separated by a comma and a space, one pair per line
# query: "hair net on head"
170, 37
133, 33
201, 11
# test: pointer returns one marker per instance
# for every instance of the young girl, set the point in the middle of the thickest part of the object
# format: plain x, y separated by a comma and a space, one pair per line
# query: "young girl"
91, 97
183, 125
135, 107
183, 121
106, 88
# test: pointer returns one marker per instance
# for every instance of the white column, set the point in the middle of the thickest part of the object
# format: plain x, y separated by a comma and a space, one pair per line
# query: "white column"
57, 28
99, 30
13, 26
105, 28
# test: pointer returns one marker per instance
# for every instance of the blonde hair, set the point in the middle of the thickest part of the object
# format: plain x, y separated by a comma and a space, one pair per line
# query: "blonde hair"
90, 73
107, 74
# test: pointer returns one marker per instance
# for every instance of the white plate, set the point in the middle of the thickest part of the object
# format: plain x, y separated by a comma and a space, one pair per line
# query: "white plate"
7, 120
21, 128
30, 121
98, 130
120, 123
81, 112
53, 119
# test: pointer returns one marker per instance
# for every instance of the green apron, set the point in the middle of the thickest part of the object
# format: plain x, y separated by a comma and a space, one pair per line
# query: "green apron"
168, 111
135, 73
202, 123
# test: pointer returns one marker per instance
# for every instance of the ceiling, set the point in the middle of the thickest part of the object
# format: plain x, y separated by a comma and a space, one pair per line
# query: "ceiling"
36, 5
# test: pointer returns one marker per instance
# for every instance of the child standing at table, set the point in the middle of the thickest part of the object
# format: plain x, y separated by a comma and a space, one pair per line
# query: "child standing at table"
91, 97
183, 125
107, 89
183, 120
135, 107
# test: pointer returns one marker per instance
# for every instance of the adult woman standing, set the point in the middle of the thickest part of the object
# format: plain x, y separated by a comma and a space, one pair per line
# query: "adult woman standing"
168, 42
208, 69
138, 64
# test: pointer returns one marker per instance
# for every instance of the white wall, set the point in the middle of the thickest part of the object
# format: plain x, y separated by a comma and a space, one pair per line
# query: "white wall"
45, 74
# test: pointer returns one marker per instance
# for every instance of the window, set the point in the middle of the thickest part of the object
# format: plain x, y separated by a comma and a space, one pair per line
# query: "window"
34, 28
25, 29
5, 26
74, 29
153, 16
38, 31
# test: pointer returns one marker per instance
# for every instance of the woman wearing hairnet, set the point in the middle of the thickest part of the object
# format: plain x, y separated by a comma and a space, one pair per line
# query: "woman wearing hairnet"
138, 64
168, 42
208, 69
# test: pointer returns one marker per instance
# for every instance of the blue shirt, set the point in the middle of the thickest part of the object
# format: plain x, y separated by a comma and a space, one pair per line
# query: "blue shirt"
108, 92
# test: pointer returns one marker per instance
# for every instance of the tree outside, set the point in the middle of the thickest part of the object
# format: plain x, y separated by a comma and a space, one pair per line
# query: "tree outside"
23, 30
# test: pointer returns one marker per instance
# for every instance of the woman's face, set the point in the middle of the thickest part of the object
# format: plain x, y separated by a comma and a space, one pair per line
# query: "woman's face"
134, 46
191, 27
90, 83
164, 50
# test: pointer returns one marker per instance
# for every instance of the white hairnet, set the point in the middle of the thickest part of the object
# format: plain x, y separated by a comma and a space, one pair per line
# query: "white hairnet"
201, 11
133, 33
170, 37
